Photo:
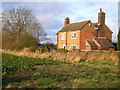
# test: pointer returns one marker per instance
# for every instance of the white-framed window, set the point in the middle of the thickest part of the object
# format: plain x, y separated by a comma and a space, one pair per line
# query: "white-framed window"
73, 35
73, 46
64, 46
62, 36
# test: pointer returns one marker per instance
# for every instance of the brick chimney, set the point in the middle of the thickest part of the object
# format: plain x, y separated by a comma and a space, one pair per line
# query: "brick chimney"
101, 17
66, 21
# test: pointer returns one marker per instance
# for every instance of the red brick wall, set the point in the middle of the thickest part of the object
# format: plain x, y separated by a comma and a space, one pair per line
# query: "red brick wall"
73, 41
87, 32
105, 32
68, 41
59, 41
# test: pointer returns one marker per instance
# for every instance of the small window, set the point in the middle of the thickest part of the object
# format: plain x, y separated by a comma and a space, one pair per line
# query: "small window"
73, 36
73, 46
62, 36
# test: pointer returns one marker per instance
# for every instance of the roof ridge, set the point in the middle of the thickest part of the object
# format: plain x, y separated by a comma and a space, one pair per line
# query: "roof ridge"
78, 22
74, 26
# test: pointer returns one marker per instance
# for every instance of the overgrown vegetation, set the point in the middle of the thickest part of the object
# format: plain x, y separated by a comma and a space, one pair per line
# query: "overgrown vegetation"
24, 72
20, 29
73, 56
42, 48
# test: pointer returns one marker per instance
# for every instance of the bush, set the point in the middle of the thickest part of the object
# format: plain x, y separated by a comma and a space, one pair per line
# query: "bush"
49, 46
38, 49
41, 48
26, 40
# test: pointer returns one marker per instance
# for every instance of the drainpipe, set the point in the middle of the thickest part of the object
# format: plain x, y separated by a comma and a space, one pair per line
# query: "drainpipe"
97, 31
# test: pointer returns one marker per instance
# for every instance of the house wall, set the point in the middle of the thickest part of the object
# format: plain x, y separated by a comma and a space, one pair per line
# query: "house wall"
87, 32
73, 41
59, 41
108, 32
69, 41
105, 32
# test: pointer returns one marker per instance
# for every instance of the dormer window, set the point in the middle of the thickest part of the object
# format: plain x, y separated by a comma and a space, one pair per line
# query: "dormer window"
62, 36
73, 35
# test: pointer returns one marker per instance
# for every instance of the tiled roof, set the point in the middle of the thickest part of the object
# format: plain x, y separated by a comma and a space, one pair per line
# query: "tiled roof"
92, 43
74, 26
104, 42
104, 26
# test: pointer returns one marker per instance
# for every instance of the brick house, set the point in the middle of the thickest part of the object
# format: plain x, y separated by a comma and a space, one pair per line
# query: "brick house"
85, 35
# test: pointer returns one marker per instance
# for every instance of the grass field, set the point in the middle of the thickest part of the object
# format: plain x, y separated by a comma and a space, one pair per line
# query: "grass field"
24, 72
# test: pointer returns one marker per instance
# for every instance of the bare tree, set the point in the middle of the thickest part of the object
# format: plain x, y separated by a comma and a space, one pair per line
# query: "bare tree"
21, 20
37, 31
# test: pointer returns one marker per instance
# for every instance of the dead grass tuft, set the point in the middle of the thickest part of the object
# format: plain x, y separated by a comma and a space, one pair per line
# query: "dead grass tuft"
71, 56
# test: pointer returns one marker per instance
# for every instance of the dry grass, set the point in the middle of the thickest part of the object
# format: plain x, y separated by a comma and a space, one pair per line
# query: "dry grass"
71, 56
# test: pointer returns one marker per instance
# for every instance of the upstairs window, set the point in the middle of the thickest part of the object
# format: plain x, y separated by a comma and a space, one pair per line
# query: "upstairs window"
73, 46
73, 35
62, 36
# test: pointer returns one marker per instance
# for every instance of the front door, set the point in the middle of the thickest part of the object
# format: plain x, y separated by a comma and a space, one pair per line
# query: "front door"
64, 46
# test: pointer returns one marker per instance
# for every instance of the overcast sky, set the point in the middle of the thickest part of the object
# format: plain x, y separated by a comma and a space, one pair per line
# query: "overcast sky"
51, 14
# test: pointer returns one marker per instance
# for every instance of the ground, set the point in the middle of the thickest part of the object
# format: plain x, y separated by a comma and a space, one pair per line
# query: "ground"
24, 72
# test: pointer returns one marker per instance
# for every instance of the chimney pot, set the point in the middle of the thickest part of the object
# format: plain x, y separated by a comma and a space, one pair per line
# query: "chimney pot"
100, 9
66, 21
101, 17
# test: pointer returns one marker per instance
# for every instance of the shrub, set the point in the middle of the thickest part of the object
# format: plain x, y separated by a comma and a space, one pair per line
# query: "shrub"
26, 40
49, 46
